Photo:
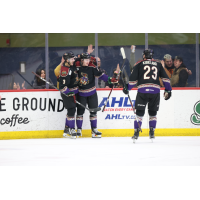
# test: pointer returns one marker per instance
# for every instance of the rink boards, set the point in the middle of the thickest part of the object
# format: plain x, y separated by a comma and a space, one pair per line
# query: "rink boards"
41, 114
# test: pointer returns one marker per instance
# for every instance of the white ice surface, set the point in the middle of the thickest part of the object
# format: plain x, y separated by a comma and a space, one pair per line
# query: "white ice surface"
117, 151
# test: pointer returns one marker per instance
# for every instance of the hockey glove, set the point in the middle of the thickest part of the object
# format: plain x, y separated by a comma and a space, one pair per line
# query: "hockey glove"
70, 94
167, 94
125, 89
112, 80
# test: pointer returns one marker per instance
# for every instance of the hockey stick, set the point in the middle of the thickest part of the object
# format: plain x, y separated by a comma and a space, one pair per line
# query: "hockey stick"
123, 55
23, 78
113, 85
89, 109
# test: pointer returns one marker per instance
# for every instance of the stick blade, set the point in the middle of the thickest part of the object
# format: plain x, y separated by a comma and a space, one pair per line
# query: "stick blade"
123, 53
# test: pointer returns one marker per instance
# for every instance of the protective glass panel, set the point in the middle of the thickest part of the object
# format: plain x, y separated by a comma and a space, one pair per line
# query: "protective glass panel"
60, 43
109, 53
20, 54
176, 44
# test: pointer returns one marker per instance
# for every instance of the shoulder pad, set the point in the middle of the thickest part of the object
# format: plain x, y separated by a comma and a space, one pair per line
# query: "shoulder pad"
78, 64
65, 71
138, 62
91, 65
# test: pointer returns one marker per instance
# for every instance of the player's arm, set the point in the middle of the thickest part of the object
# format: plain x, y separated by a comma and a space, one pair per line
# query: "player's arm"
166, 83
104, 77
57, 69
132, 80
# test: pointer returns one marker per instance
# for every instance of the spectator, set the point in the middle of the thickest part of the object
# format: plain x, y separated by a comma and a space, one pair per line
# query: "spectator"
132, 57
16, 86
169, 65
38, 83
101, 83
180, 75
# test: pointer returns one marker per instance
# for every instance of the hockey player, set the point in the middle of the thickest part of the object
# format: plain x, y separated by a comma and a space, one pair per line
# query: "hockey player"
146, 75
87, 72
68, 84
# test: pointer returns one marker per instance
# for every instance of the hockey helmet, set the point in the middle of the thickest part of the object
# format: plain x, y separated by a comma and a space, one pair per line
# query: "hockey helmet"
85, 56
148, 53
68, 55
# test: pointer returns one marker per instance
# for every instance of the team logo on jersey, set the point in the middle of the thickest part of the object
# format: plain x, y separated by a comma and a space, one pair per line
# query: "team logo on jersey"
84, 79
64, 73
195, 117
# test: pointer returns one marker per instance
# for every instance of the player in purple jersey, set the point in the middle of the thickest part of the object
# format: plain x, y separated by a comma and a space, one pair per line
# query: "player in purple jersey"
87, 72
146, 75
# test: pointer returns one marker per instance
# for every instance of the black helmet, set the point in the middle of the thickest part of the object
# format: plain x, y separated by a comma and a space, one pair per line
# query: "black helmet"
148, 53
68, 55
85, 56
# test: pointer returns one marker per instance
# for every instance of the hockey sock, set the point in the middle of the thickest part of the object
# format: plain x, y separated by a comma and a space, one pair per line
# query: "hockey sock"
93, 121
152, 121
66, 122
71, 121
136, 123
79, 121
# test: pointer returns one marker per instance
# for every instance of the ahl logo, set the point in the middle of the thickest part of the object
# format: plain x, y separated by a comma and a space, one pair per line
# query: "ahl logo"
195, 117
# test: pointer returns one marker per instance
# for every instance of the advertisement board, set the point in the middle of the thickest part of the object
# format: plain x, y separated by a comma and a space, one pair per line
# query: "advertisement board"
41, 114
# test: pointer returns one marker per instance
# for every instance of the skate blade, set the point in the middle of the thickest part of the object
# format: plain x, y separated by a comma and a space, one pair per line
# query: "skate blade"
66, 135
96, 136
73, 137
152, 139
133, 140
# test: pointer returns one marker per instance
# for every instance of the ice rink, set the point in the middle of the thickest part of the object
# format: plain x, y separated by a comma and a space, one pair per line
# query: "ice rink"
106, 151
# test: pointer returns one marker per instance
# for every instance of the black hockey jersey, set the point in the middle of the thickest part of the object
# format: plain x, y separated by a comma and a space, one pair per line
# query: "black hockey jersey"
146, 75
68, 80
87, 76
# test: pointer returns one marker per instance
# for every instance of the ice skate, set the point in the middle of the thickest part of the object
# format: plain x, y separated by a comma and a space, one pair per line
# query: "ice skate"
73, 133
79, 132
66, 132
96, 133
151, 133
136, 134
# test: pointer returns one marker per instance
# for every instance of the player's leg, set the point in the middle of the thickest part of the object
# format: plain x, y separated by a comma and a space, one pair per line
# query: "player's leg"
153, 107
71, 121
93, 103
68, 104
140, 104
140, 114
152, 123
80, 112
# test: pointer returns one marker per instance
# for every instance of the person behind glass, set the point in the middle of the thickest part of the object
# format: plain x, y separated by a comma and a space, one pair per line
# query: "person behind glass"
16, 86
180, 75
101, 83
146, 75
132, 57
168, 64
40, 84
87, 72
68, 84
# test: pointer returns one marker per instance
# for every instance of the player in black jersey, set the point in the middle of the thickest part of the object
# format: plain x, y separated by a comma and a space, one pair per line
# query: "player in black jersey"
87, 72
68, 84
146, 75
